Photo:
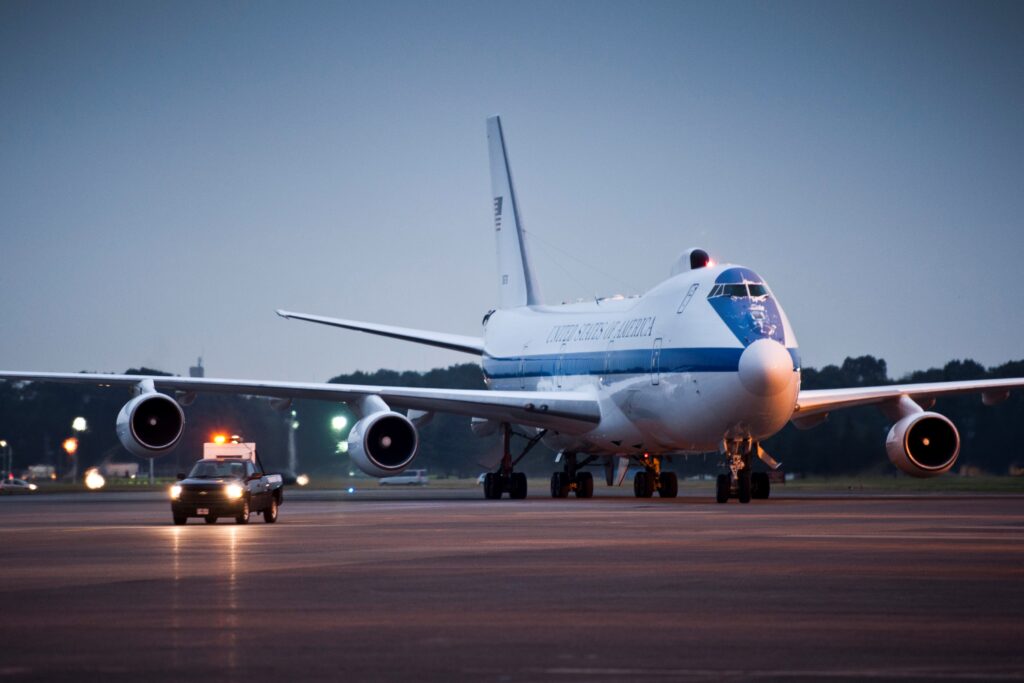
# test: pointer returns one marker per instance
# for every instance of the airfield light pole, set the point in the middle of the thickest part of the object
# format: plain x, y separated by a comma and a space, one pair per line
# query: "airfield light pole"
78, 426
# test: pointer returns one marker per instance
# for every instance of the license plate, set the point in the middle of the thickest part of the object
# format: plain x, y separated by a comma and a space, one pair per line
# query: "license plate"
202, 511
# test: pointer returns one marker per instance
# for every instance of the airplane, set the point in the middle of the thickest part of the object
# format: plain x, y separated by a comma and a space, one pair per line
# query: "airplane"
704, 361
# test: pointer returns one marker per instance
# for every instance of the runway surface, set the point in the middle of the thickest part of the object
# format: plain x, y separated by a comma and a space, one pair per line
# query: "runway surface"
403, 586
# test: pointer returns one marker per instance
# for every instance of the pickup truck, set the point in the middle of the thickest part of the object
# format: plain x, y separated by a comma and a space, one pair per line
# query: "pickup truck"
226, 487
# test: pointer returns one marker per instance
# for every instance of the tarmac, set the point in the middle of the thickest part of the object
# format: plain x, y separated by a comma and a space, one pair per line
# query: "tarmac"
444, 586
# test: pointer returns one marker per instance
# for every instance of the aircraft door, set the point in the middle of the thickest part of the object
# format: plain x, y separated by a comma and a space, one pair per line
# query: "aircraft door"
686, 299
656, 362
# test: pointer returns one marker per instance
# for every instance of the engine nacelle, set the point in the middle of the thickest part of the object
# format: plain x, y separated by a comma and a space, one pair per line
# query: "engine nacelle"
923, 444
150, 425
383, 444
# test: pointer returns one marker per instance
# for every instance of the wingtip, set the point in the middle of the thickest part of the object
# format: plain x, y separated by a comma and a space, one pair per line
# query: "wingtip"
283, 313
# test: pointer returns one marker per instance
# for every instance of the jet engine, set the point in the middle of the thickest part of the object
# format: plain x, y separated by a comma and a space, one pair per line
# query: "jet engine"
923, 444
383, 443
150, 424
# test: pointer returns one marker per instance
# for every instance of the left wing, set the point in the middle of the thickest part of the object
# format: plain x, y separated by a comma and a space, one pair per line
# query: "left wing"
816, 402
570, 412
444, 340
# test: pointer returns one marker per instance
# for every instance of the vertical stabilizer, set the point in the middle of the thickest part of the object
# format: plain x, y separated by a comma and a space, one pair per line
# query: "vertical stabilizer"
516, 283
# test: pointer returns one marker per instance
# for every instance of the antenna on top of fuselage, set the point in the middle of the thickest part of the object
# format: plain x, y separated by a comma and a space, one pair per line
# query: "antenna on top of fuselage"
517, 285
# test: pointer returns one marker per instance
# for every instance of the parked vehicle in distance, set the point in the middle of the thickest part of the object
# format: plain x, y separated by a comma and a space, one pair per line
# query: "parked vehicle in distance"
407, 478
16, 486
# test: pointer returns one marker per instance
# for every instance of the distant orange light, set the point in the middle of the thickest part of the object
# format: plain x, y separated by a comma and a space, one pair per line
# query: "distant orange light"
70, 445
219, 439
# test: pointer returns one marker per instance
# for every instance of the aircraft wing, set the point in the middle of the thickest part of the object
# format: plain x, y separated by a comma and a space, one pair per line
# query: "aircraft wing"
452, 342
570, 412
820, 401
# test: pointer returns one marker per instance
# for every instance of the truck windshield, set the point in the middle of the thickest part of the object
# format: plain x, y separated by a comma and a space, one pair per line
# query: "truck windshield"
211, 469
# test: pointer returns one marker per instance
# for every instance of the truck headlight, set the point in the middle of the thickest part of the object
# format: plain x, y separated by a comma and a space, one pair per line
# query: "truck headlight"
234, 491
176, 492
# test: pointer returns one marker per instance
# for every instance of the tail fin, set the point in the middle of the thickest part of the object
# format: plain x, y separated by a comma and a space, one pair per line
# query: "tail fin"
517, 285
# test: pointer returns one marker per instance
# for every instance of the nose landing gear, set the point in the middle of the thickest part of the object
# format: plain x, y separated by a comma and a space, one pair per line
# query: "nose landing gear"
742, 482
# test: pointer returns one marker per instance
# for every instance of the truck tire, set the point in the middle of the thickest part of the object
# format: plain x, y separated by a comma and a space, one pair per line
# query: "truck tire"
180, 519
210, 519
270, 514
243, 516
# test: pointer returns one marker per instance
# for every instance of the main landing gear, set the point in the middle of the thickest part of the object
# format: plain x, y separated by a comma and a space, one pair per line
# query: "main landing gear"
506, 480
572, 479
742, 483
652, 479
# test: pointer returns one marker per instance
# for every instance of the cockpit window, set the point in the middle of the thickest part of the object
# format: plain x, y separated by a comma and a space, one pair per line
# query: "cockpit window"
738, 291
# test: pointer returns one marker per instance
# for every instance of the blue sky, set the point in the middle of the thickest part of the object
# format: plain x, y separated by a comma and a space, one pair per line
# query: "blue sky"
173, 172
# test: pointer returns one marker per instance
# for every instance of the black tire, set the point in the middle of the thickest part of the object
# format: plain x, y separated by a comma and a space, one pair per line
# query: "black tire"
492, 486
243, 516
560, 485
643, 485
584, 485
180, 519
743, 485
270, 514
210, 519
760, 486
723, 488
517, 486
668, 485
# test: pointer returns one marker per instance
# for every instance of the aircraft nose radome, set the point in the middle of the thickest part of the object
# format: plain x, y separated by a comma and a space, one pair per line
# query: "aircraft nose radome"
766, 367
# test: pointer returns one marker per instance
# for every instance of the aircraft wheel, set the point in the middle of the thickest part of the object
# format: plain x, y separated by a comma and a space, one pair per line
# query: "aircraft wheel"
517, 486
643, 485
492, 486
723, 487
743, 485
668, 485
559, 485
584, 485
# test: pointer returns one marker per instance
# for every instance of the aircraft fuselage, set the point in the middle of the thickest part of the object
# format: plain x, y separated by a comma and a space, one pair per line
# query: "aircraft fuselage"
704, 356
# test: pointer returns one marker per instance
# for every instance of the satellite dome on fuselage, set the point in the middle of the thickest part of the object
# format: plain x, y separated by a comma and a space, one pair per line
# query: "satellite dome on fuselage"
691, 259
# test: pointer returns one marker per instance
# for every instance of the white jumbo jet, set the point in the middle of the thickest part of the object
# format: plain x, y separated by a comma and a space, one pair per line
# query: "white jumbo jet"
704, 361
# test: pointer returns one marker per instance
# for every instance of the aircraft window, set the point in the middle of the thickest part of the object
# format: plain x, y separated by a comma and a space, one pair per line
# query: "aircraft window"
715, 291
735, 290
758, 290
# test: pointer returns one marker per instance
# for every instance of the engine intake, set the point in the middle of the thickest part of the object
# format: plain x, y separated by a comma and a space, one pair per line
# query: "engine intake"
150, 425
923, 444
383, 444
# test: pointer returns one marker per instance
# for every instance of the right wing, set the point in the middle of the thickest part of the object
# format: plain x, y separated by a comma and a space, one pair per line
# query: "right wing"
570, 412
815, 402
452, 342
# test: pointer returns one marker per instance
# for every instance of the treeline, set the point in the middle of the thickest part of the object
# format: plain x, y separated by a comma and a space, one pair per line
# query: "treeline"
35, 418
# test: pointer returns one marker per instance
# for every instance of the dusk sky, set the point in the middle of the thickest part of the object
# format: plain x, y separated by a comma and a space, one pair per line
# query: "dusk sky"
170, 173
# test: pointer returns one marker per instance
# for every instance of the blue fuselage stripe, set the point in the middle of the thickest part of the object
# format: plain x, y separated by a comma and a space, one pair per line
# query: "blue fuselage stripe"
622, 362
